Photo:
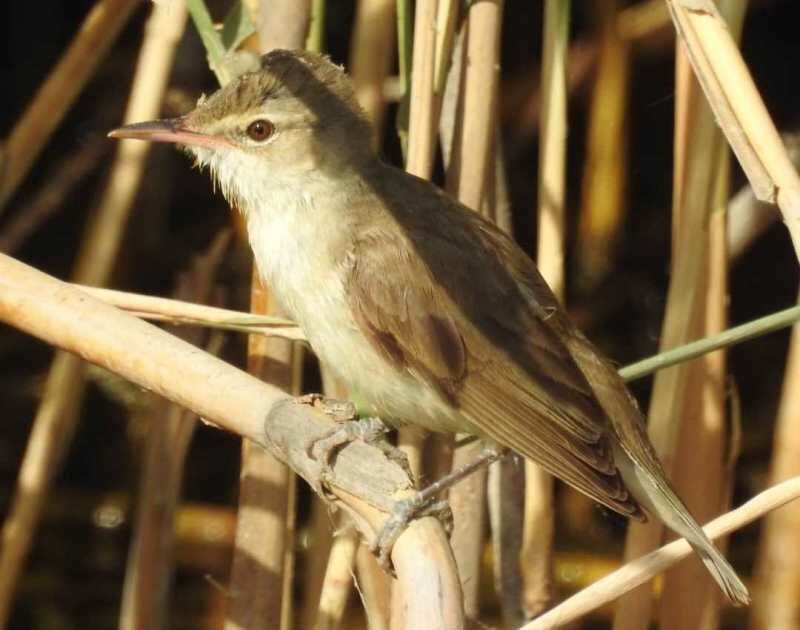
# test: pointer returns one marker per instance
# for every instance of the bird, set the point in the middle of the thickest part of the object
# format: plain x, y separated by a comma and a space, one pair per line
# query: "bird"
432, 314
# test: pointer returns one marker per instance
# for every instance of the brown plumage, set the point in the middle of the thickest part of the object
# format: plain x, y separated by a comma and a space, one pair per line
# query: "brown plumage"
428, 312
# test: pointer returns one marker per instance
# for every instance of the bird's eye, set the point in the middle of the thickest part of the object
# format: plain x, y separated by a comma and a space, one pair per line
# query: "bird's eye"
260, 130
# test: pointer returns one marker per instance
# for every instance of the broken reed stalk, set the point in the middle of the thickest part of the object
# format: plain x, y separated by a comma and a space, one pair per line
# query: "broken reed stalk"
537, 545
59, 90
363, 482
738, 107
258, 578
57, 414
777, 570
643, 569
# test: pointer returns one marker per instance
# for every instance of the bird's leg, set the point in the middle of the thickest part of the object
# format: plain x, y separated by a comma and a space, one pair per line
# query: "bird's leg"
424, 503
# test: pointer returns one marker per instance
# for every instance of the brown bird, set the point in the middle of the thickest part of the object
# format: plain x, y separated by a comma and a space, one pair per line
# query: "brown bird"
430, 313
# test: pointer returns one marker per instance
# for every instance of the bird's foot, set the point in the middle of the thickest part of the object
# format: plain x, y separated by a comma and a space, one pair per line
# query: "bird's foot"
425, 503
403, 512
370, 430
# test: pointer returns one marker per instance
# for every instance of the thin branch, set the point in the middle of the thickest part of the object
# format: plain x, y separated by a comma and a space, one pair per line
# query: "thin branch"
181, 312
732, 336
645, 568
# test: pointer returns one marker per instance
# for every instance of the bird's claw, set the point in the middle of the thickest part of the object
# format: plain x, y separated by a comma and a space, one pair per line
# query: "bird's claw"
368, 430
404, 511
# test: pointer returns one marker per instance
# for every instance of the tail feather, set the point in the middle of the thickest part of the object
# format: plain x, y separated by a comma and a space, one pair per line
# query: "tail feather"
654, 492
721, 570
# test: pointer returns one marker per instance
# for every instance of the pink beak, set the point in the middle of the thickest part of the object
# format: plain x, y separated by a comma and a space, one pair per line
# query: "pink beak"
168, 130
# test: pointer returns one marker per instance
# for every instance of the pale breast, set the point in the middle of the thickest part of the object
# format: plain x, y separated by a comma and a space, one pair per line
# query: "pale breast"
296, 253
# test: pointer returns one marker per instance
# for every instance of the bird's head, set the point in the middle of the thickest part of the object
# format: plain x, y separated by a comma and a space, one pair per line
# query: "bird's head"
293, 119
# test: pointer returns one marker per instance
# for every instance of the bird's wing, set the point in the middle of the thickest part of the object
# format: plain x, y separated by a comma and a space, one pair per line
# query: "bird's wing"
478, 323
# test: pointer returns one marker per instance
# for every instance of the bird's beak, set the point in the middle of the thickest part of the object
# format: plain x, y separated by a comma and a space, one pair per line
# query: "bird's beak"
168, 130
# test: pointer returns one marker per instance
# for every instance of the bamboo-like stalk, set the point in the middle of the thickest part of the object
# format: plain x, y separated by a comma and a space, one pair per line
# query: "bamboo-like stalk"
738, 107
320, 527
505, 490
422, 108
469, 170
59, 314
419, 83
338, 582
638, 572
283, 23
264, 495
643, 20
468, 174
695, 164
690, 599
777, 574
372, 48
505, 487
58, 92
325, 585
55, 420
256, 593
374, 588
604, 180
148, 574
537, 544
726, 339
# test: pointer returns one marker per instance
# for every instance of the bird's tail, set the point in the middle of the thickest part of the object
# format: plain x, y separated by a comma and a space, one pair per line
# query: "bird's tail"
720, 569
658, 498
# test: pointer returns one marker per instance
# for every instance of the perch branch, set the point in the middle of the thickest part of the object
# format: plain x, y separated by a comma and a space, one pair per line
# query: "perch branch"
363, 482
